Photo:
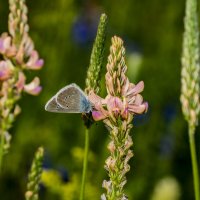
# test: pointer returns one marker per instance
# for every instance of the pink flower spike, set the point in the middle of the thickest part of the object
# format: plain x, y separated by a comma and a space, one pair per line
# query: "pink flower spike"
137, 89
33, 88
5, 70
34, 62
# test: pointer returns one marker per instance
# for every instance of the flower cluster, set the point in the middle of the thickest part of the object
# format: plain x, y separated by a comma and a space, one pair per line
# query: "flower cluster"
122, 102
17, 54
114, 106
123, 99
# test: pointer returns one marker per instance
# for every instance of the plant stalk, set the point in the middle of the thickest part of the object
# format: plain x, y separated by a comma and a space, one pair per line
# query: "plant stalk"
85, 164
1, 149
194, 162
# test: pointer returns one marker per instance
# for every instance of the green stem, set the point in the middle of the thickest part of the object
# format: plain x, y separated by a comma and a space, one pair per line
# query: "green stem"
85, 163
194, 162
1, 149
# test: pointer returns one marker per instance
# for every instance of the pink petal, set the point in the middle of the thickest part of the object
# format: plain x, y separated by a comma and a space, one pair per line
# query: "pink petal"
125, 86
21, 81
93, 98
138, 109
146, 105
137, 89
97, 115
20, 54
39, 63
11, 51
109, 84
114, 105
138, 99
28, 46
33, 88
5, 45
7, 42
125, 113
5, 70
34, 62
1, 45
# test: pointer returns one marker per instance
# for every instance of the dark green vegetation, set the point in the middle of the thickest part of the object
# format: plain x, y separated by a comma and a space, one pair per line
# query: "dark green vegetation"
63, 32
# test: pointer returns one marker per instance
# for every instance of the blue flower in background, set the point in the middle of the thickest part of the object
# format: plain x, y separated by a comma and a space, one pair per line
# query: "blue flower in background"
169, 112
84, 30
85, 25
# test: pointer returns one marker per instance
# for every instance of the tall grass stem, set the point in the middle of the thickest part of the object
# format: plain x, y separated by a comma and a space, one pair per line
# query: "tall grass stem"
1, 150
85, 164
194, 162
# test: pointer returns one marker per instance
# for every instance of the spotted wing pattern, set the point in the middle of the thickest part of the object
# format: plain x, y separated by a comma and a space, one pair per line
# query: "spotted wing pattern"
53, 106
73, 99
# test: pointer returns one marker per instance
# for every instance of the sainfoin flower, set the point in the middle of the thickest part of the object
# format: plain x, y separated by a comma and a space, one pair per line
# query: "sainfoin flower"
117, 109
130, 103
123, 98
17, 55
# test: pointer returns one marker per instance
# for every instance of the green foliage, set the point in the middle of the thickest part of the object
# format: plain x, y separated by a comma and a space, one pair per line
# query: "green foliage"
52, 180
65, 191
153, 29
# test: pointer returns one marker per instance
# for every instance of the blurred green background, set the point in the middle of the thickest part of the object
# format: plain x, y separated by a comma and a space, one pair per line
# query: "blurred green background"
63, 32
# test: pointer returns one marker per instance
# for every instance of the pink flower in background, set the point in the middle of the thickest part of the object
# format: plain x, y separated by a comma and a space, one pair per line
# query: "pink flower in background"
17, 54
24, 54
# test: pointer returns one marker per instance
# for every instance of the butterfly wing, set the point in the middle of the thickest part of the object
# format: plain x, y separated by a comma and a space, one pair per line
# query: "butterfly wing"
73, 99
53, 106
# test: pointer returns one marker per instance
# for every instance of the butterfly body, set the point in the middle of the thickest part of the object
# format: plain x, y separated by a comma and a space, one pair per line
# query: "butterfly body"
70, 99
